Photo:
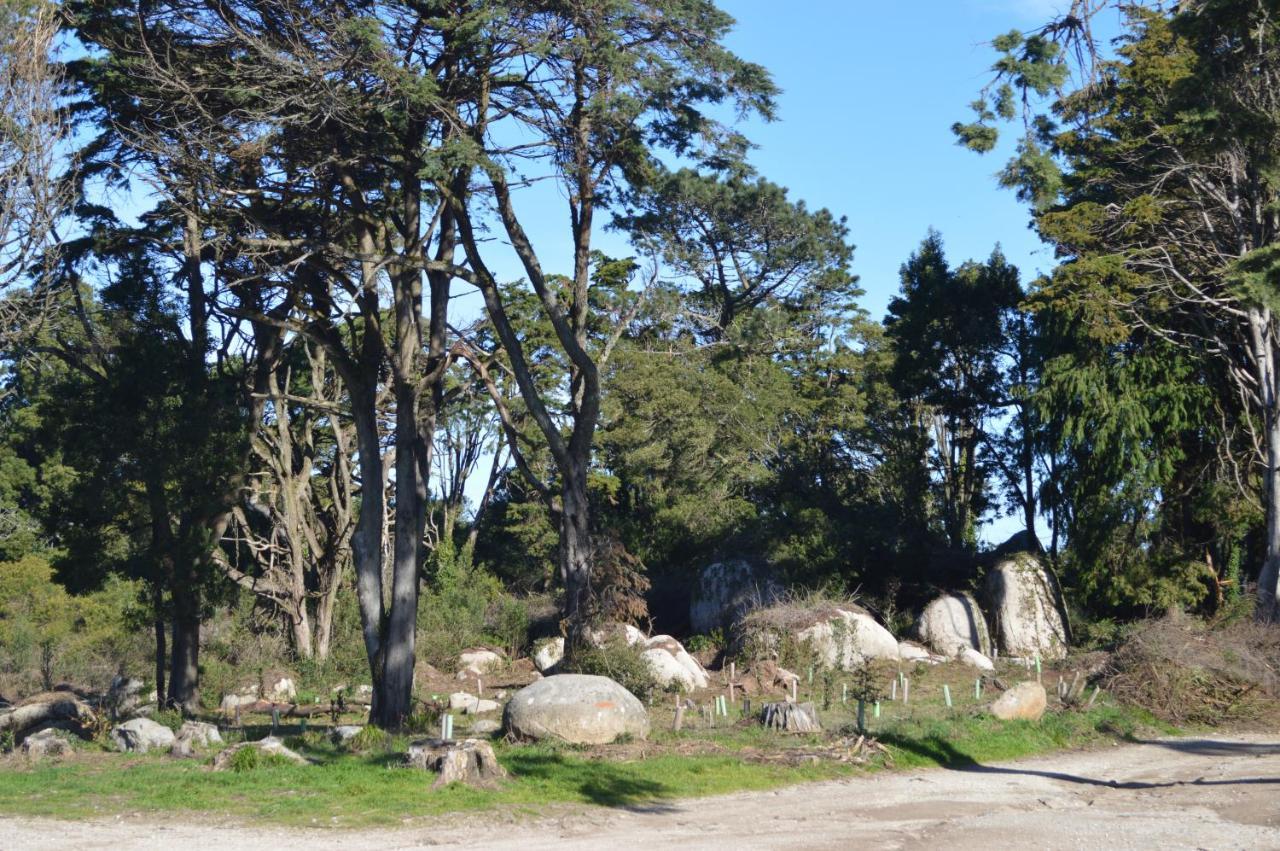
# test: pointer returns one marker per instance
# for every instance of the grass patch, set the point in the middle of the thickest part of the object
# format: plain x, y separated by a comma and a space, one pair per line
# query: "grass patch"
367, 785
349, 790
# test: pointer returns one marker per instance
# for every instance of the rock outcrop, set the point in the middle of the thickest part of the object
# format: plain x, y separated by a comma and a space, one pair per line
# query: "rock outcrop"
1022, 599
727, 590
951, 623
672, 664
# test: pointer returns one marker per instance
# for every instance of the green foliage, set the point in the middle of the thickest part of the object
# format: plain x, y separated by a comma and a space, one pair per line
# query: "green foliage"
48, 635
170, 718
614, 658
370, 739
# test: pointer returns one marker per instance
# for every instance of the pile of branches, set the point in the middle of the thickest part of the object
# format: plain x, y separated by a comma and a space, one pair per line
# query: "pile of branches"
1185, 670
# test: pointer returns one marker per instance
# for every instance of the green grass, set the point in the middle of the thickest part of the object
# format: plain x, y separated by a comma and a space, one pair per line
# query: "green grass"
371, 788
352, 790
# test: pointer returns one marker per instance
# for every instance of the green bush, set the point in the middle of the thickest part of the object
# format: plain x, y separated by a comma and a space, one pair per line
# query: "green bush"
621, 662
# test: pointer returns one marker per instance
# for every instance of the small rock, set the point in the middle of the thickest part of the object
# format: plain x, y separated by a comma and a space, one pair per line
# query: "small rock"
548, 654
140, 735
480, 707
344, 733
270, 746
969, 656
480, 659
485, 727
460, 700
281, 689
194, 736
1026, 700
46, 743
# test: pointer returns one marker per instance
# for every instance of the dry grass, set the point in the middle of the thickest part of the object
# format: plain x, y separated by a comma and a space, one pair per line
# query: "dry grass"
1185, 670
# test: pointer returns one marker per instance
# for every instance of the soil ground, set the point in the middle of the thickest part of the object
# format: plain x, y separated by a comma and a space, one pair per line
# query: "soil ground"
1217, 792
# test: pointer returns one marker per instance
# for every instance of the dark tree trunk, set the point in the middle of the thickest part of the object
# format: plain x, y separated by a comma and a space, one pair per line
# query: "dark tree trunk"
184, 670
162, 652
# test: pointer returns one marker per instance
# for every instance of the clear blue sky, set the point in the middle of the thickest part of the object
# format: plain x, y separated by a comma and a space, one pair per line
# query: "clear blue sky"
869, 93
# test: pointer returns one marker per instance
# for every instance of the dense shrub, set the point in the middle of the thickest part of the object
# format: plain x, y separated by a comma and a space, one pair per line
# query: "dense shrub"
621, 662
1186, 670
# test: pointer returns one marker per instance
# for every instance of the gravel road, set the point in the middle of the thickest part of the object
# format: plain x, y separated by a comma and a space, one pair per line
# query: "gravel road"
1221, 792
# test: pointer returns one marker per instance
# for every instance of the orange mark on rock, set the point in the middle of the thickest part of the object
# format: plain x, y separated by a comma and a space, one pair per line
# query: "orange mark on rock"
605, 704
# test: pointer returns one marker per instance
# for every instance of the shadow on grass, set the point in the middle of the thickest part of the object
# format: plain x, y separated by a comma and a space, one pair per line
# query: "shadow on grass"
947, 755
603, 783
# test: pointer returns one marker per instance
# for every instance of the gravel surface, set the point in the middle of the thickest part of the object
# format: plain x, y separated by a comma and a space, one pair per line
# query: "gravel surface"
1220, 792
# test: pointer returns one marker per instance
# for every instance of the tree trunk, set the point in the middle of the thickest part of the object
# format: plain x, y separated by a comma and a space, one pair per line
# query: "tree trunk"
396, 689
162, 652
1269, 580
184, 671
366, 543
575, 556
1263, 349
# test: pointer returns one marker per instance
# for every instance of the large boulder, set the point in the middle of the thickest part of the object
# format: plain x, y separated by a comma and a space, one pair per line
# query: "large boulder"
139, 735
843, 636
847, 637
1022, 598
672, 664
576, 708
727, 590
952, 623
1025, 701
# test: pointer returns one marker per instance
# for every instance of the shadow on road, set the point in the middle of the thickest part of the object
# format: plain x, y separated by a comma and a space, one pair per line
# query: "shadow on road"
952, 758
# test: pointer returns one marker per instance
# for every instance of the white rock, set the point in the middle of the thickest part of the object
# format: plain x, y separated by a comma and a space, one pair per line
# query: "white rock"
969, 656
139, 735
1025, 701
682, 668
200, 733
951, 623
845, 639
460, 700
548, 654
909, 651
480, 706
480, 659
485, 726
1022, 599
282, 690
344, 733
601, 635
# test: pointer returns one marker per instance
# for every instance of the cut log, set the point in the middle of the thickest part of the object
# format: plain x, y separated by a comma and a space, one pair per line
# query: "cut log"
790, 717
60, 707
469, 761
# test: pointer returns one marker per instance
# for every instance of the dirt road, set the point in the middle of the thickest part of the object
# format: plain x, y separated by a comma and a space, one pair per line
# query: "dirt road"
1215, 793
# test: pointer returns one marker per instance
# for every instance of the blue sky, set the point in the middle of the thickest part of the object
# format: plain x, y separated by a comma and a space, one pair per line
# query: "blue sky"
870, 90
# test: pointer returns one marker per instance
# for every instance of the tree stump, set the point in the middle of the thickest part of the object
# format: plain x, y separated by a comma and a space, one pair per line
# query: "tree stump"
790, 717
468, 761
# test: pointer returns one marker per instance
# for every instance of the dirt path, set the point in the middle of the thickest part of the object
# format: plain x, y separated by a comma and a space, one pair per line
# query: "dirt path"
1215, 793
